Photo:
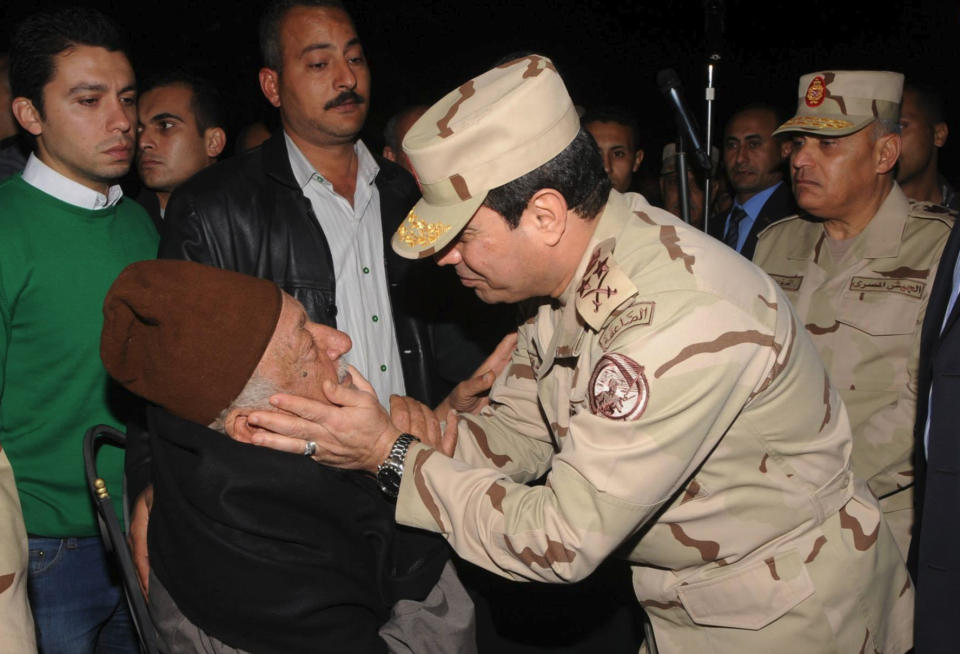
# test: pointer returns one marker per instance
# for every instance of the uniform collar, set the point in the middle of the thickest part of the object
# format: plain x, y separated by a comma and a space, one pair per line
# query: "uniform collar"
610, 222
880, 239
597, 287
883, 235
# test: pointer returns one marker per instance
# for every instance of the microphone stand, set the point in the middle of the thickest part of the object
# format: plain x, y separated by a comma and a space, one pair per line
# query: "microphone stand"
713, 30
681, 169
708, 180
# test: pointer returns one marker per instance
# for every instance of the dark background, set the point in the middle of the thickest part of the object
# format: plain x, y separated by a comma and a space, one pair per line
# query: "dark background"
608, 53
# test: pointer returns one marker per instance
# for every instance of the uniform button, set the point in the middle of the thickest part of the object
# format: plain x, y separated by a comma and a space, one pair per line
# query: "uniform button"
376, 318
383, 368
366, 271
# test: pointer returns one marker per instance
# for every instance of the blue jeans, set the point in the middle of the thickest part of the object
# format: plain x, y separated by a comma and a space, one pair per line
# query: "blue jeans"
77, 601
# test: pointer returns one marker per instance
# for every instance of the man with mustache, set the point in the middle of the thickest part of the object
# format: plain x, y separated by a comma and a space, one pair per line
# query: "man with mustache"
754, 163
309, 210
180, 132
858, 264
66, 231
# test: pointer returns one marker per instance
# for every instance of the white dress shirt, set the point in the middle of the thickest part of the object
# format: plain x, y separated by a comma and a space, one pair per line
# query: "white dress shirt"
355, 236
41, 176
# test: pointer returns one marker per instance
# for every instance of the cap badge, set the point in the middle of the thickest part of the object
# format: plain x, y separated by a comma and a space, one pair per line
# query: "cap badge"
417, 233
618, 388
816, 92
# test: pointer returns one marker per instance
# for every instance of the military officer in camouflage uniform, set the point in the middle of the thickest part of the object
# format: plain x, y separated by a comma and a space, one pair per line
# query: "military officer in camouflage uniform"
678, 407
858, 266
16, 621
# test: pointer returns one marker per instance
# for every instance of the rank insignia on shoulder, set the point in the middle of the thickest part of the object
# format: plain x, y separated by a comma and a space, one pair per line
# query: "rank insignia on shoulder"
931, 210
618, 388
603, 287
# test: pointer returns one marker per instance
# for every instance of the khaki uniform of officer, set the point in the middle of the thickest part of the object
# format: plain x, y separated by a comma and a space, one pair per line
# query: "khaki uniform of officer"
680, 410
865, 310
16, 622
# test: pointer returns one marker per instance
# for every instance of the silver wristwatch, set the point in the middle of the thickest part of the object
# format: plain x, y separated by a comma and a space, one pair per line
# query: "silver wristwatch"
390, 472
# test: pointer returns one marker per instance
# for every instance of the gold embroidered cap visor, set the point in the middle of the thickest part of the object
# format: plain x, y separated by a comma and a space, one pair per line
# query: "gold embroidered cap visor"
841, 102
489, 131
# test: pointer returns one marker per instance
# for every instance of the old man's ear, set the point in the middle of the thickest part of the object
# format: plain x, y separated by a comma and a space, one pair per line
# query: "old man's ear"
237, 427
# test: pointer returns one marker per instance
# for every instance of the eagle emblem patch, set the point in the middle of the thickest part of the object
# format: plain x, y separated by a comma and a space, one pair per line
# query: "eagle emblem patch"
618, 388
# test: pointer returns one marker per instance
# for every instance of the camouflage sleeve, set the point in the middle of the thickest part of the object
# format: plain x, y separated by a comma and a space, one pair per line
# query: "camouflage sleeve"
16, 623
509, 435
693, 374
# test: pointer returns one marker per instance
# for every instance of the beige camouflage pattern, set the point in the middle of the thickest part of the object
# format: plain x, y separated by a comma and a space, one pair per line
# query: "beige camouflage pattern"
488, 131
688, 425
864, 314
16, 622
841, 102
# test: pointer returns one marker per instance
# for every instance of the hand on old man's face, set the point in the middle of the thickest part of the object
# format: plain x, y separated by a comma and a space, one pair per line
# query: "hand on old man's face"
353, 431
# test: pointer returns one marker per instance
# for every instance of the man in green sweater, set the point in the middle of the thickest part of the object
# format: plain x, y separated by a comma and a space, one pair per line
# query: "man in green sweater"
65, 233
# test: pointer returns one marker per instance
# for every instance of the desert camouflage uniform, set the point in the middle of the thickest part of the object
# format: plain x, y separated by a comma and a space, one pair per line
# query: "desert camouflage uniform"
864, 314
16, 622
688, 425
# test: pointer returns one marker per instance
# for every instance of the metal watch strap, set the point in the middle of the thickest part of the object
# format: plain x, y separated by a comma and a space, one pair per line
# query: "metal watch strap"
390, 472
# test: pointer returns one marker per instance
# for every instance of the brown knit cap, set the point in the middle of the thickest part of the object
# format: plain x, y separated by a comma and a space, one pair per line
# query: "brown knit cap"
187, 336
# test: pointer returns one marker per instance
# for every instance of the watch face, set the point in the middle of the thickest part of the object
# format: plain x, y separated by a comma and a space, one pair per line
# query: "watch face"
389, 480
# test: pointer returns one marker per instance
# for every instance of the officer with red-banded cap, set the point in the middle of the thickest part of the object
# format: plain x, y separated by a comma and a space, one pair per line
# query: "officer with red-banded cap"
678, 408
858, 265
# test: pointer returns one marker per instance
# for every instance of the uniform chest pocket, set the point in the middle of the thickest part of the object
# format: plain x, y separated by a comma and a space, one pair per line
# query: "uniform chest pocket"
881, 307
750, 596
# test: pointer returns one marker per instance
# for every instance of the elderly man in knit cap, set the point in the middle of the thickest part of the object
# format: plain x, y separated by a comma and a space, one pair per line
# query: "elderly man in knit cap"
673, 399
858, 266
253, 550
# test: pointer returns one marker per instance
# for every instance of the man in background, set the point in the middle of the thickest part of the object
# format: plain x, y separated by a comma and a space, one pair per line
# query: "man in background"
180, 132
397, 127
13, 153
923, 130
755, 168
858, 265
615, 131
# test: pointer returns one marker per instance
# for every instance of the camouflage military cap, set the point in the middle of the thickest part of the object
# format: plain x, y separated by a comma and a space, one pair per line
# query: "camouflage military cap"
489, 131
841, 102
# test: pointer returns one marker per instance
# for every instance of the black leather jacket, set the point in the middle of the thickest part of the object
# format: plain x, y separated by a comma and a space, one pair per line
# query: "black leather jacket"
249, 215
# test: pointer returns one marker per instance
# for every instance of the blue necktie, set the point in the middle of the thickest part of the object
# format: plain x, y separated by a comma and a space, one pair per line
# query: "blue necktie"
732, 237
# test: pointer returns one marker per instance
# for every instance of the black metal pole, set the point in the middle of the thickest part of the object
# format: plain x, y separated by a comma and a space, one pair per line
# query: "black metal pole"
681, 169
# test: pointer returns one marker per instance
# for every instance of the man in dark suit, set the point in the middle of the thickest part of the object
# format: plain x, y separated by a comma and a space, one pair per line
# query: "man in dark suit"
754, 163
935, 556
